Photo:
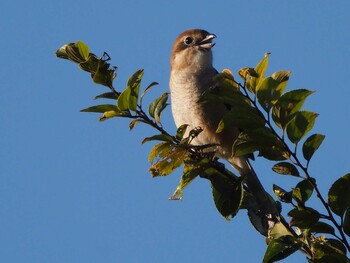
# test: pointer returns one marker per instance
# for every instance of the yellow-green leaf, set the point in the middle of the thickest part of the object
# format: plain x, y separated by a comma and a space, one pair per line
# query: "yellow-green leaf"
129, 97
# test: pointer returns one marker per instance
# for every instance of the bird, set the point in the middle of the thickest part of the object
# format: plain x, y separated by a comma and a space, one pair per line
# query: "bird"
191, 74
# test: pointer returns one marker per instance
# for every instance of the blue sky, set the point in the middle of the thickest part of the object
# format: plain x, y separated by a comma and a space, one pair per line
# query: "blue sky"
76, 190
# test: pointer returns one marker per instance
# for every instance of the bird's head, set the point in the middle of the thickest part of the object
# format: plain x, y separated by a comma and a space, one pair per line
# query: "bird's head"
192, 51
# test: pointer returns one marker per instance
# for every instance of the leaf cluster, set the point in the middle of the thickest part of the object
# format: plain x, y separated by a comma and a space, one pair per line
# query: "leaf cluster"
272, 124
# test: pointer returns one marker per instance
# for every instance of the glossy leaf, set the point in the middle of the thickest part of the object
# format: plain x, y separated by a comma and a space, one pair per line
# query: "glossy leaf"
259, 72
83, 49
339, 195
111, 114
128, 98
282, 194
286, 168
300, 125
287, 105
280, 248
271, 88
302, 191
304, 218
311, 145
157, 106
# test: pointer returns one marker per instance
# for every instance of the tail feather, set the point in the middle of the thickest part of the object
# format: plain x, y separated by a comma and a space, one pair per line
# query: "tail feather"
243, 166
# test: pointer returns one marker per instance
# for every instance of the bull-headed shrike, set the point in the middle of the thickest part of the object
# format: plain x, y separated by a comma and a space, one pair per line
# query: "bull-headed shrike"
192, 73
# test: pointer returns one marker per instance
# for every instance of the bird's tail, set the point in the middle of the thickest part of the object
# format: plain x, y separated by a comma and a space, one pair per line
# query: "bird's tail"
262, 199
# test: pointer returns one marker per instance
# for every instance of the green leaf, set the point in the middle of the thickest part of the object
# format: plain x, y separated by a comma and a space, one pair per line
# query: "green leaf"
158, 137
275, 154
311, 145
282, 194
260, 70
243, 118
246, 73
287, 105
271, 89
346, 222
76, 52
91, 64
261, 139
339, 195
191, 171
133, 123
279, 230
157, 106
83, 49
226, 80
186, 178
107, 95
168, 161
304, 218
280, 248
61, 52
146, 90
103, 74
303, 191
227, 196
300, 125
325, 247
129, 97
321, 227
226, 95
181, 131
102, 108
286, 168
160, 150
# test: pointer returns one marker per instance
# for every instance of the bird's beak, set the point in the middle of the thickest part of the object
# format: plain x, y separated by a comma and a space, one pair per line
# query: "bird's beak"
206, 42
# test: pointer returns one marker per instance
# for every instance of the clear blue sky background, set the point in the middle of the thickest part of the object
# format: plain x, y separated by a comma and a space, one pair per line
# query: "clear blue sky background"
76, 190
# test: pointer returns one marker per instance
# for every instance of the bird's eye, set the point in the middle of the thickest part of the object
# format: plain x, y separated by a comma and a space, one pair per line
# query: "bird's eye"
188, 40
